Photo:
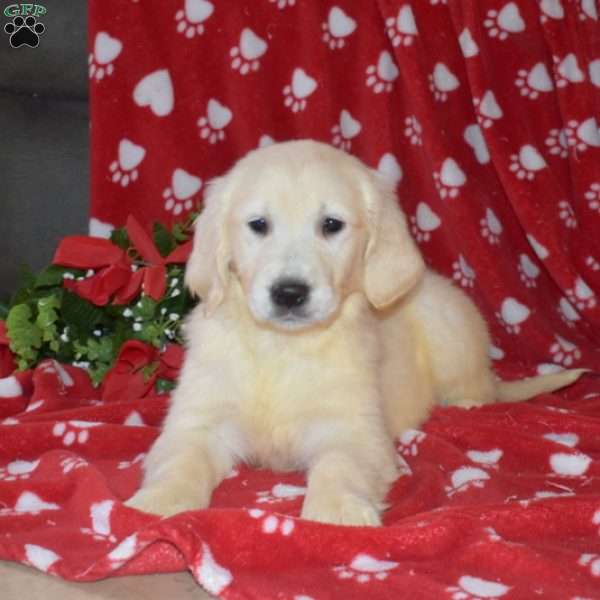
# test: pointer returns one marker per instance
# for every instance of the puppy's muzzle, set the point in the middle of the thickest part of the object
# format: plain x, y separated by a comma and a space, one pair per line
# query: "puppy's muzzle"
290, 294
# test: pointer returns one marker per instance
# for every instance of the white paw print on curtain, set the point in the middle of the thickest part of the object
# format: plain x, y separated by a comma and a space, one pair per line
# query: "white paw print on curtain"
190, 19
442, 81
155, 91
345, 130
212, 125
527, 163
337, 28
474, 138
551, 9
488, 109
413, 130
567, 312
528, 271
593, 196
124, 170
587, 10
423, 222
512, 315
402, 29
491, 227
467, 44
507, 20
179, 196
567, 70
245, 56
534, 81
380, 77
581, 295
462, 272
564, 352
296, 93
105, 52
390, 168
449, 179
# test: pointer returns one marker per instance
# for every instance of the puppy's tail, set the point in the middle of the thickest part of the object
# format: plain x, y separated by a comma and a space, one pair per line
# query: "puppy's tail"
523, 389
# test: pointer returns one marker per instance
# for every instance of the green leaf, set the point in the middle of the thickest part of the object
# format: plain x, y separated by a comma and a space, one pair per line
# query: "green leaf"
80, 314
120, 238
53, 276
164, 241
179, 233
164, 386
25, 336
47, 318
145, 308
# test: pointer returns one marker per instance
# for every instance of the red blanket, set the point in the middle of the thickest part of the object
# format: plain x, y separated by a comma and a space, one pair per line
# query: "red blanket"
485, 113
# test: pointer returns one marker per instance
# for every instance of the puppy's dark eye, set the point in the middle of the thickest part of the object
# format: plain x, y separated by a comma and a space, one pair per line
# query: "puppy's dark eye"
260, 226
331, 226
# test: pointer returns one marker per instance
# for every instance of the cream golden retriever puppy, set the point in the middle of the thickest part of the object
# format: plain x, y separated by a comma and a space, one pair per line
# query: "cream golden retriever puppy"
320, 337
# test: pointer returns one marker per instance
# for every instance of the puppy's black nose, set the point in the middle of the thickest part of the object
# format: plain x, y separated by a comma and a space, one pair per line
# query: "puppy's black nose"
289, 293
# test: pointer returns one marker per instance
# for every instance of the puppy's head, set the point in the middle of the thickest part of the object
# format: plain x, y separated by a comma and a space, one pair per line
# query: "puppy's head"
301, 225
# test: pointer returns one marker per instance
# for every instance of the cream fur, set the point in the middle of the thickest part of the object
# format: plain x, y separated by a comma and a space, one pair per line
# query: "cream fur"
383, 339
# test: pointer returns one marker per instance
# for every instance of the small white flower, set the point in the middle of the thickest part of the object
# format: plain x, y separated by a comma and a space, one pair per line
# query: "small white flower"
137, 326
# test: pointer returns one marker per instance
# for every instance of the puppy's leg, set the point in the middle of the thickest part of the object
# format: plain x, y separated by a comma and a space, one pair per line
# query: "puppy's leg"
349, 477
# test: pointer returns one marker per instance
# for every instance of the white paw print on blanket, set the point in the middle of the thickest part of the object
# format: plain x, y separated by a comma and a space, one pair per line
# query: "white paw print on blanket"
449, 179
72, 463
119, 555
567, 312
106, 50
126, 464
179, 196
28, 503
507, 20
528, 271
567, 70
567, 214
466, 478
190, 19
564, 352
73, 431
212, 576
475, 588
347, 129
488, 109
53, 367
100, 517
423, 222
593, 196
442, 81
245, 56
18, 470
491, 228
380, 77
124, 169
592, 562
271, 524
587, 10
558, 142
551, 9
534, 81
212, 125
512, 314
39, 557
463, 272
581, 295
527, 162
280, 492
300, 88
338, 26
413, 130
364, 568
573, 464
487, 458
410, 440
402, 29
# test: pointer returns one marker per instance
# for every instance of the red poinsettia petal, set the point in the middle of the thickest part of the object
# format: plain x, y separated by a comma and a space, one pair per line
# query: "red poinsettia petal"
180, 254
131, 290
84, 252
171, 360
134, 355
143, 242
100, 288
155, 281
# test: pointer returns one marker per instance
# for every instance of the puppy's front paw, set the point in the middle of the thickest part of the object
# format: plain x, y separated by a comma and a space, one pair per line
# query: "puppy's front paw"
164, 501
341, 509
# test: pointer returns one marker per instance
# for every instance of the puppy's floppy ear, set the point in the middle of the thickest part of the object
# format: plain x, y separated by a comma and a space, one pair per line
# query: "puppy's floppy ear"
393, 263
207, 270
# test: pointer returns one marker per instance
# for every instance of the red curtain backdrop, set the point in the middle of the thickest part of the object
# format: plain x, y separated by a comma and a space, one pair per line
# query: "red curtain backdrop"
486, 114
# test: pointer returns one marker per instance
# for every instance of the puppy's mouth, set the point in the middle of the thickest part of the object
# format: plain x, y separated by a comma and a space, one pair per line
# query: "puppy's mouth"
291, 319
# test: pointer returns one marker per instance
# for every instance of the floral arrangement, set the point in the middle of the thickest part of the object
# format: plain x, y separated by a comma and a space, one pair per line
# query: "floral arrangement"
108, 305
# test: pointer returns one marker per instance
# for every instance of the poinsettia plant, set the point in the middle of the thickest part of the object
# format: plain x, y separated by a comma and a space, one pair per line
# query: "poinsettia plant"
97, 295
